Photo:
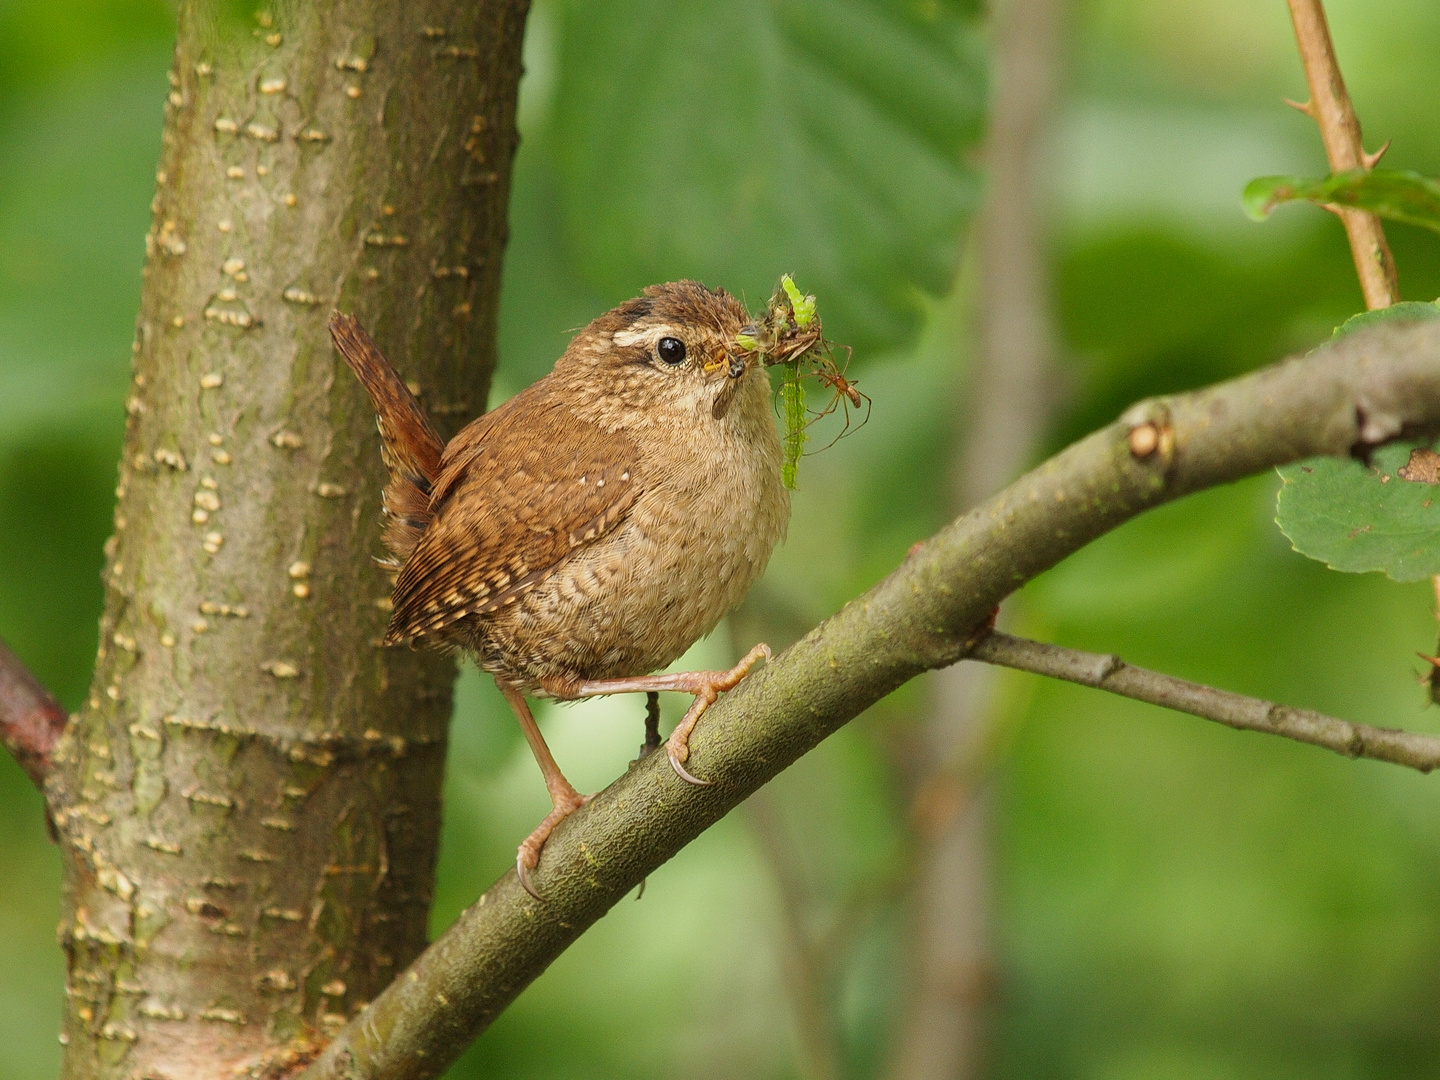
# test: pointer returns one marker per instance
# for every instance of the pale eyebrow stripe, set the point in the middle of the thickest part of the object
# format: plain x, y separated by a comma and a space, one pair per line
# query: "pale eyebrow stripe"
626, 338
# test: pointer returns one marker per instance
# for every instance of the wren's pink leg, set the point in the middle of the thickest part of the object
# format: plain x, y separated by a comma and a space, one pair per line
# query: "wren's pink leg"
565, 799
707, 686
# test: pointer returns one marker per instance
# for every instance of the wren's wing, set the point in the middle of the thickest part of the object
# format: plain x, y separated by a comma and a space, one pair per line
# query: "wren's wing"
519, 490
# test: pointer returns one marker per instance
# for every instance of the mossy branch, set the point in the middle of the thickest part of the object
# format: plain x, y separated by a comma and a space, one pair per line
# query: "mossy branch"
1350, 396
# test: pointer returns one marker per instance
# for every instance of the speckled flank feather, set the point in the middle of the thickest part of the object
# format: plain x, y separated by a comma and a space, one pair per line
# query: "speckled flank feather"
508, 507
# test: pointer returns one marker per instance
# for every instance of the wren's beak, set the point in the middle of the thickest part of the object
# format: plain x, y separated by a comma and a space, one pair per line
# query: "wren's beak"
734, 367
737, 365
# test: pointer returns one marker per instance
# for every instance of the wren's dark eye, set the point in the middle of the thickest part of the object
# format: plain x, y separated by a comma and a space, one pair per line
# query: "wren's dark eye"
671, 350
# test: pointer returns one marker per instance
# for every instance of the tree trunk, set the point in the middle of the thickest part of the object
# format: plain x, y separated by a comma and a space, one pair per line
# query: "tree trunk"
249, 801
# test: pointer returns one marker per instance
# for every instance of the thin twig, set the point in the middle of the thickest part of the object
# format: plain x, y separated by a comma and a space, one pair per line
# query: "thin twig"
1345, 397
31, 720
1330, 108
1110, 673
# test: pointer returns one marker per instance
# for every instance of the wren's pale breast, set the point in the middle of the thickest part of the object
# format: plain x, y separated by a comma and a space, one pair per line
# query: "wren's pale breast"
600, 522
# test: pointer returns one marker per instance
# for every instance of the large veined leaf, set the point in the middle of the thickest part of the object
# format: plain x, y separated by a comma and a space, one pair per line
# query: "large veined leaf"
1397, 194
732, 142
1356, 517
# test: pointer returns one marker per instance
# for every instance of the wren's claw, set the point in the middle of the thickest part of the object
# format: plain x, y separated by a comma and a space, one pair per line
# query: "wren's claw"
681, 771
707, 686
528, 855
523, 872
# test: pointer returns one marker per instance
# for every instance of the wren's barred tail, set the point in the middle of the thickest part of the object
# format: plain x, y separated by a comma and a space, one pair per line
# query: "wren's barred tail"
410, 447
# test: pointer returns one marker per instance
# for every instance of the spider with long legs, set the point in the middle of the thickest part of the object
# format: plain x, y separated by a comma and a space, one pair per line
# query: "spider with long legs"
846, 395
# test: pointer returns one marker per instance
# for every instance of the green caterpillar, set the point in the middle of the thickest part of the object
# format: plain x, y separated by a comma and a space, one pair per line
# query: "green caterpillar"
792, 401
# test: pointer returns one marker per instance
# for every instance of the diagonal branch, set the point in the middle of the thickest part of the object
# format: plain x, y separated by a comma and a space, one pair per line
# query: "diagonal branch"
1332, 112
1110, 673
31, 720
1346, 397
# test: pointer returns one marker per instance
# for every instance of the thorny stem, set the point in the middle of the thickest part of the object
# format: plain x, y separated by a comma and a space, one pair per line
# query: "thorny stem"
31, 720
1353, 394
1330, 108
1110, 673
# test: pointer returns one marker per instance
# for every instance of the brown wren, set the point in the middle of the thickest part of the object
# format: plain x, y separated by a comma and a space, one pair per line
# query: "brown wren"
593, 527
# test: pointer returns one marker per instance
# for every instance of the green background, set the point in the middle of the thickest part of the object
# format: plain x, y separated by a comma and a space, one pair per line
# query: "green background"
1173, 898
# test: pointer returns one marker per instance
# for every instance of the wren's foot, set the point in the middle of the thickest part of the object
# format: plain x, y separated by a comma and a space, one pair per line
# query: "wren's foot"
564, 799
707, 686
528, 856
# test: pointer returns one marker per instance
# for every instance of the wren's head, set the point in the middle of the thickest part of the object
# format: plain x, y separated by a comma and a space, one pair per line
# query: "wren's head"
669, 352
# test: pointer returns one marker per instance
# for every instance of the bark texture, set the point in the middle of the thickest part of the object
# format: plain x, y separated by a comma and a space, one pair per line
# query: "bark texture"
249, 802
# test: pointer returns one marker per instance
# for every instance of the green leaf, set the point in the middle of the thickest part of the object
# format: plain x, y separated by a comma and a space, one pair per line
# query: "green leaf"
1405, 311
728, 142
1359, 518
1397, 194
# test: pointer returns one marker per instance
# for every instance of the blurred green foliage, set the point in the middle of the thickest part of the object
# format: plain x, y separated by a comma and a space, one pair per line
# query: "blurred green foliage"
1174, 898
756, 137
